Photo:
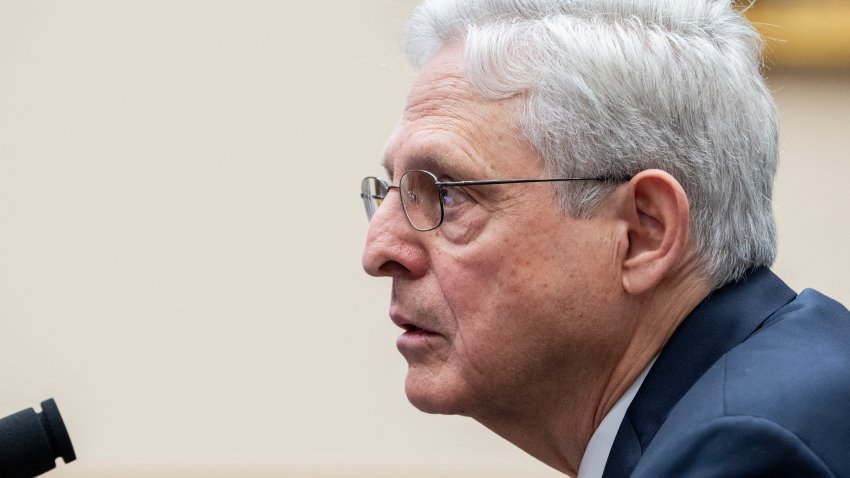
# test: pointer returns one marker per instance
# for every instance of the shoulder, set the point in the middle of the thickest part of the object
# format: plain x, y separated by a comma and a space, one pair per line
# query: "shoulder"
801, 353
795, 367
779, 399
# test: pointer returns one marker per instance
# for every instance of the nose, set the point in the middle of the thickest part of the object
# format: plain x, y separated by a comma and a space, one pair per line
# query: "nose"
393, 248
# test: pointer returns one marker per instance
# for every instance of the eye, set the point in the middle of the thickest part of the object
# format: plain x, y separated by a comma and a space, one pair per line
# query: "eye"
453, 196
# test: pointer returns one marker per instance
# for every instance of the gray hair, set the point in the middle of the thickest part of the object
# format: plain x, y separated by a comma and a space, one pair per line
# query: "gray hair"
614, 87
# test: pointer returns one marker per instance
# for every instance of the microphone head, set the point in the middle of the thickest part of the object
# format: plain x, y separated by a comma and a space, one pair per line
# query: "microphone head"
57, 434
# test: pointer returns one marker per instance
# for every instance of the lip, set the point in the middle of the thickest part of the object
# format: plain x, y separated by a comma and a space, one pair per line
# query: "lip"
415, 335
410, 326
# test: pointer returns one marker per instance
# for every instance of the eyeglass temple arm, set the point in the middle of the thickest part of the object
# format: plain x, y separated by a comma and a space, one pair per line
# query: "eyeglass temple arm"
485, 182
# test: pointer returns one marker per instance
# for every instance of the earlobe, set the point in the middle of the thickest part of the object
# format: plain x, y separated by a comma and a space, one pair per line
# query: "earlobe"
656, 212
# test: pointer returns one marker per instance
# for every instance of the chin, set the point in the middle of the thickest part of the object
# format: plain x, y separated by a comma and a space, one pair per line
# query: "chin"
432, 396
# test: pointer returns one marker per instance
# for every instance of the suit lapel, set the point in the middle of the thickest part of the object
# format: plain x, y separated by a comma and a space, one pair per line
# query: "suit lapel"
627, 448
722, 321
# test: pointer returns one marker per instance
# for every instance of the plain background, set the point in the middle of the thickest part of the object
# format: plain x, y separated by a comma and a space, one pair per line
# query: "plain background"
180, 236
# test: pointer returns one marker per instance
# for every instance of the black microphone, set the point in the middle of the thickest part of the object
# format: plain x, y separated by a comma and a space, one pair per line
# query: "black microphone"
31, 442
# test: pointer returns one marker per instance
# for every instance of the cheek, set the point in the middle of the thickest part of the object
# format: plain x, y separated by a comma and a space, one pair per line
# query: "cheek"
469, 282
515, 288
491, 280
488, 295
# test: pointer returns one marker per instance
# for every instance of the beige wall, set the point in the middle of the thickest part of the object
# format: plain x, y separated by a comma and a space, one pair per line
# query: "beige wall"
812, 190
180, 235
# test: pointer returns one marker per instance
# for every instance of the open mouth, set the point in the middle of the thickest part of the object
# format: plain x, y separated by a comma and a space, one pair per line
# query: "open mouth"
410, 329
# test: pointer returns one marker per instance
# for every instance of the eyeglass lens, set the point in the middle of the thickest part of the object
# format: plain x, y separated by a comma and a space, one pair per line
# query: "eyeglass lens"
373, 191
421, 199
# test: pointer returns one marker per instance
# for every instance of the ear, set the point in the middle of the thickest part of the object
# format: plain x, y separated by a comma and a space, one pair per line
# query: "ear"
655, 210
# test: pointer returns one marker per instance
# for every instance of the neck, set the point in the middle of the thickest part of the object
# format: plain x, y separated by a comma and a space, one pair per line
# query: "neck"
554, 431
657, 316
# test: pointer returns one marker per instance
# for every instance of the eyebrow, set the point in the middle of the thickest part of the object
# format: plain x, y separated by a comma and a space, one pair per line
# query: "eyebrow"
431, 163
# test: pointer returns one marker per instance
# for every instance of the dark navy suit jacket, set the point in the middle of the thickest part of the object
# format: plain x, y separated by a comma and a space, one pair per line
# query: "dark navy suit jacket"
755, 382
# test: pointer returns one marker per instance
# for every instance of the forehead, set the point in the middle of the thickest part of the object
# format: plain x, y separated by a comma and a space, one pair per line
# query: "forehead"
448, 127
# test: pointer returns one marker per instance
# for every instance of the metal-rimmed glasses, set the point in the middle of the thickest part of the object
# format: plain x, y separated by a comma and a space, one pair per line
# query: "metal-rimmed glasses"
422, 195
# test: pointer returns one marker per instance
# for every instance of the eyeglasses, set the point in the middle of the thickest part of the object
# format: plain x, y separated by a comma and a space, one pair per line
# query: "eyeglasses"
422, 194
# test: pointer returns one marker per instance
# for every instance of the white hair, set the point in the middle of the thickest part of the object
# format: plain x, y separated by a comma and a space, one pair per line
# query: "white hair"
614, 87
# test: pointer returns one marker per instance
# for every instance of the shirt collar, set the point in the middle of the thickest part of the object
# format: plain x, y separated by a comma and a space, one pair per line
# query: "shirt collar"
596, 454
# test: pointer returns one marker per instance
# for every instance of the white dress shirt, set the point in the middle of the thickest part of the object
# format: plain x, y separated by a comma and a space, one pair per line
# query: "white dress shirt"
596, 454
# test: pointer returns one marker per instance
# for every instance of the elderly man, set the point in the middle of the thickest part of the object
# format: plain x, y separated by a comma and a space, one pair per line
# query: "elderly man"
577, 223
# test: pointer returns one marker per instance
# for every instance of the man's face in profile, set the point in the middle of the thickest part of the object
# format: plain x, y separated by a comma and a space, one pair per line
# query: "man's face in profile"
507, 297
